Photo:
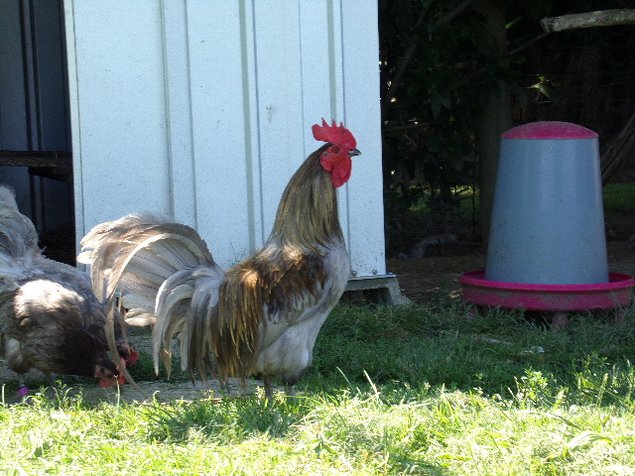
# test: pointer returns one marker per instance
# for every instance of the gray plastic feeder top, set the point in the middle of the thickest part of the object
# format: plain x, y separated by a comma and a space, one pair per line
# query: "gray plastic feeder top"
547, 224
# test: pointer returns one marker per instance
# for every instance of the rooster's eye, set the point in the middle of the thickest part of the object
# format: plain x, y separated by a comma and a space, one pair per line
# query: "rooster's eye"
335, 149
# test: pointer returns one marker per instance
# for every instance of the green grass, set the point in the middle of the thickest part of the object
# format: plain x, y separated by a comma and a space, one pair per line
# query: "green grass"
416, 389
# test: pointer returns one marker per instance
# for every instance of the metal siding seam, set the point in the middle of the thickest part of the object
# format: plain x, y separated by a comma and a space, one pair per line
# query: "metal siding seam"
190, 108
166, 93
302, 109
248, 133
335, 7
75, 115
258, 125
332, 68
179, 192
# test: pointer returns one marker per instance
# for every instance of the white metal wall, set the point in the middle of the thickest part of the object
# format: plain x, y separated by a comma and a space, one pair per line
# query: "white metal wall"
202, 110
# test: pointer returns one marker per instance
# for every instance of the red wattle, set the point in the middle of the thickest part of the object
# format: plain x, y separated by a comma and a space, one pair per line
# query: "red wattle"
132, 358
338, 166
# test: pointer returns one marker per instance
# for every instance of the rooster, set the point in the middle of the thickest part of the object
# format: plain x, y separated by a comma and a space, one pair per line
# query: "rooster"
260, 317
49, 317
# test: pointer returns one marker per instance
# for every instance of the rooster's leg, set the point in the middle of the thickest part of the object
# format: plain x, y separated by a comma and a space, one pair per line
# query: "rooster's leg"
51, 378
266, 381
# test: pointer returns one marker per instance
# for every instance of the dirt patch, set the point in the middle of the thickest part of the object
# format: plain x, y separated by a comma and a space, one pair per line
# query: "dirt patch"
165, 391
438, 277
160, 389
426, 278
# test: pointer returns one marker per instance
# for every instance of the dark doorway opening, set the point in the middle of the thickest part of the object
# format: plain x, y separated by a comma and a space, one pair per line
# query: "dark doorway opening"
35, 131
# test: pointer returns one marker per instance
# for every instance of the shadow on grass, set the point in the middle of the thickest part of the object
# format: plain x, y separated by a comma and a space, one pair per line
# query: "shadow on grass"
499, 353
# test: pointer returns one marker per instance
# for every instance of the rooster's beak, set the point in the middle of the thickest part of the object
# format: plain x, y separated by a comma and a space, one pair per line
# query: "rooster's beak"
353, 152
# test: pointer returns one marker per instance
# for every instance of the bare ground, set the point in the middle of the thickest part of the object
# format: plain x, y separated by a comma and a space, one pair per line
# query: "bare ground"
438, 276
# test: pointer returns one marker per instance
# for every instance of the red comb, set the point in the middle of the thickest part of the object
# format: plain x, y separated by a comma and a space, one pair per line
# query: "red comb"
336, 135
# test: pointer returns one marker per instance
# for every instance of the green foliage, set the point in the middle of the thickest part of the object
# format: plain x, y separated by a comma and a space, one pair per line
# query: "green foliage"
431, 122
619, 198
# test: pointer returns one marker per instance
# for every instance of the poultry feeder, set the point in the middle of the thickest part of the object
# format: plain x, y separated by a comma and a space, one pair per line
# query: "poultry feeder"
547, 246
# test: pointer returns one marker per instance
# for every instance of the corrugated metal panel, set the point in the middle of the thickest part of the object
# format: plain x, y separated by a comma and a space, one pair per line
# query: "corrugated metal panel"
221, 99
34, 105
118, 84
202, 110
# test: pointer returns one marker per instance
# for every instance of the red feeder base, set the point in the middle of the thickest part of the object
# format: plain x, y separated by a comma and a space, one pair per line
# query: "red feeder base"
547, 297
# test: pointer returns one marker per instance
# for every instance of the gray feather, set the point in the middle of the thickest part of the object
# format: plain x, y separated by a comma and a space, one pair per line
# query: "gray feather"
50, 318
183, 302
135, 255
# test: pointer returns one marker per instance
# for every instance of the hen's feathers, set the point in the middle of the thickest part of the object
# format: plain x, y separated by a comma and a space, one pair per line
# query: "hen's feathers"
46, 325
143, 267
49, 316
18, 237
277, 284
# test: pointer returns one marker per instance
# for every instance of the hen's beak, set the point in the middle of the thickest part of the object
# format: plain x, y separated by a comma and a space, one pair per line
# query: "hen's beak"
353, 152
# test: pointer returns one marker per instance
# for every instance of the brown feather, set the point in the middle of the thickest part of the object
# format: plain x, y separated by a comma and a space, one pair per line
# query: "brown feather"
240, 313
289, 263
307, 215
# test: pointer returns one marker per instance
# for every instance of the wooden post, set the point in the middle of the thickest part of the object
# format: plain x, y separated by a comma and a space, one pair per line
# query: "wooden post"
495, 119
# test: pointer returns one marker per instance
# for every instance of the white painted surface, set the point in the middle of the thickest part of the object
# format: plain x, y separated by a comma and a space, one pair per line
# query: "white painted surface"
202, 110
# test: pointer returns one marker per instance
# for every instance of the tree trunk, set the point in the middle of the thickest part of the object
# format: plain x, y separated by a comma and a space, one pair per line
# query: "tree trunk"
622, 147
495, 119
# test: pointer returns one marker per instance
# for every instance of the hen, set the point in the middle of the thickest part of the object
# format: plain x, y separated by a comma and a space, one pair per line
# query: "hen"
263, 315
49, 317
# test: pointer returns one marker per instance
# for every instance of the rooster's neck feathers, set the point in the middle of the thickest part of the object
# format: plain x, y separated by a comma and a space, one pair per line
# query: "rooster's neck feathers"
307, 215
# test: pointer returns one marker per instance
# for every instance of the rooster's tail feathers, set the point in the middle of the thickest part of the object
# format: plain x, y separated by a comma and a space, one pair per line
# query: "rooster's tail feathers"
135, 255
107, 242
236, 330
186, 303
